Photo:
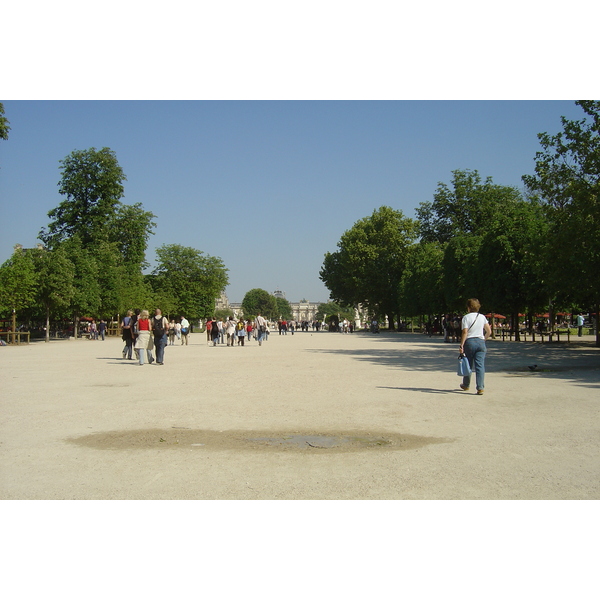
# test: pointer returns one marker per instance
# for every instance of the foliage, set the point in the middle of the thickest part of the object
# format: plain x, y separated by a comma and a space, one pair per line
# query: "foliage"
369, 264
467, 207
421, 291
55, 288
567, 179
260, 301
4, 124
194, 280
92, 182
18, 282
490, 234
87, 298
284, 309
130, 227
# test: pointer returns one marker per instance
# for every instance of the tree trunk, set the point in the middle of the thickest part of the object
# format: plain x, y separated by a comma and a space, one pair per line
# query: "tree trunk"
515, 324
47, 324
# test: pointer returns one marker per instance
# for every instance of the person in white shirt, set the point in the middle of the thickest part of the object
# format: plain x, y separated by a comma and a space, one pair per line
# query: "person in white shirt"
230, 331
185, 330
260, 324
475, 331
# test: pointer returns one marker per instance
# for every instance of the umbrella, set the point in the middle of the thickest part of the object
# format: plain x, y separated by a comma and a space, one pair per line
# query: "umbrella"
496, 316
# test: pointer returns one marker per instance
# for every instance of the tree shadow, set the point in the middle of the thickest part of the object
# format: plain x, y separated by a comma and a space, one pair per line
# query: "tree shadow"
415, 352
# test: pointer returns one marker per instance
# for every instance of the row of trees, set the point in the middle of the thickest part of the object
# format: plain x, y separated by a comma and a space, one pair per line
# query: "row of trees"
93, 255
517, 251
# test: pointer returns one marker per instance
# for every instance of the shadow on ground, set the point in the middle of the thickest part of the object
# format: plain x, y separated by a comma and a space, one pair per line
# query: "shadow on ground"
415, 352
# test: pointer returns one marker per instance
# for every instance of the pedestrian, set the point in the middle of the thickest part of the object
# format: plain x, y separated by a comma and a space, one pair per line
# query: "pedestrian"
249, 328
260, 324
184, 330
240, 331
209, 331
475, 331
221, 326
143, 341
160, 327
230, 331
171, 334
102, 328
127, 335
580, 322
214, 331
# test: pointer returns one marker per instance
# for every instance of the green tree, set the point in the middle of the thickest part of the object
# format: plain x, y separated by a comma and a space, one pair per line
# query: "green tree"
55, 275
421, 286
4, 124
92, 181
87, 296
284, 308
18, 282
130, 228
194, 279
108, 238
489, 233
368, 266
567, 179
465, 207
260, 301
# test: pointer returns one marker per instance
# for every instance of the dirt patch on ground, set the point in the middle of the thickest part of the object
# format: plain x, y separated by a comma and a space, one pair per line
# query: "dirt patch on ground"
286, 441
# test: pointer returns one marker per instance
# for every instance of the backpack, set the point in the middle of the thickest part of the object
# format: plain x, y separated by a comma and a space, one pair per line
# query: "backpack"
158, 326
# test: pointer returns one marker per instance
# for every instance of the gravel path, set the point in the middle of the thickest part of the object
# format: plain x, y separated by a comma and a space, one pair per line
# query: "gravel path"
308, 416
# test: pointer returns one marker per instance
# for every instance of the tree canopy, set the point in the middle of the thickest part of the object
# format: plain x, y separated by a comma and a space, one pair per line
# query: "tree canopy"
369, 264
260, 301
92, 181
4, 124
191, 279
567, 180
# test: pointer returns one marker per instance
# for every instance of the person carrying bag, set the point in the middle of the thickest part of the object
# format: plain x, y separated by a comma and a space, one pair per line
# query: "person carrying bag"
475, 332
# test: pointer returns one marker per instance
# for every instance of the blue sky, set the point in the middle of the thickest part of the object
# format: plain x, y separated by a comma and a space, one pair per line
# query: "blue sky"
268, 186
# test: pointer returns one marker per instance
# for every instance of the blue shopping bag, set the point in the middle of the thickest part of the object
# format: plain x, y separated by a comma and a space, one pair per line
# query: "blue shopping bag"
464, 368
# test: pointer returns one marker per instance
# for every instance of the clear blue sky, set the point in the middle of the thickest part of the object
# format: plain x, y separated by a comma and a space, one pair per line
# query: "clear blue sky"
268, 186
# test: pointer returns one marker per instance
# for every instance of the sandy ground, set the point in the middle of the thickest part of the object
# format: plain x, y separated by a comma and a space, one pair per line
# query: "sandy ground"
309, 416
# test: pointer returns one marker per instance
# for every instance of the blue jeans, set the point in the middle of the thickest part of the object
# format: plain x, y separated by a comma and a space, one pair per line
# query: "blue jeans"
159, 343
475, 350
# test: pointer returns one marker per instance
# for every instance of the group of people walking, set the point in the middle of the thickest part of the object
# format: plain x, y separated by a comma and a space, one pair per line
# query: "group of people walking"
144, 335
236, 331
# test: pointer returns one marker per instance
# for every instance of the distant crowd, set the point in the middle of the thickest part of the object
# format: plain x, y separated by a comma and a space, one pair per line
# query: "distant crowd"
146, 337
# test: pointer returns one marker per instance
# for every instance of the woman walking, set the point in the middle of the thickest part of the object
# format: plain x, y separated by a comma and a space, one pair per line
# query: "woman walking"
143, 342
240, 331
214, 332
230, 330
475, 331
